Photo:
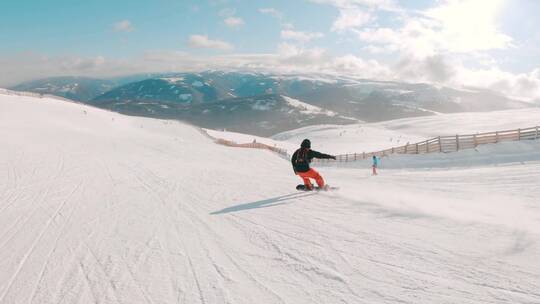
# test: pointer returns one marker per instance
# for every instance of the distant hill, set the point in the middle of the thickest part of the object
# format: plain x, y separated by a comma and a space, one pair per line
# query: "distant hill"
230, 100
186, 89
262, 115
75, 88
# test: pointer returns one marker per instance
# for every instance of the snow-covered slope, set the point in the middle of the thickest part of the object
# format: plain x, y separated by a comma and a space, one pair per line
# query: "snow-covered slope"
76, 88
96, 207
465, 123
306, 108
368, 137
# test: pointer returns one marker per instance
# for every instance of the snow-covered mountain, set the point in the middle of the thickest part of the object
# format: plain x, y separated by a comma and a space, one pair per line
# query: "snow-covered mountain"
192, 96
183, 89
75, 88
262, 114
97, 207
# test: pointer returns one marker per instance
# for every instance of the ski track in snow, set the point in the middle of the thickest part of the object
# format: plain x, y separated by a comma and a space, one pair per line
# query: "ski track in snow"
135, 210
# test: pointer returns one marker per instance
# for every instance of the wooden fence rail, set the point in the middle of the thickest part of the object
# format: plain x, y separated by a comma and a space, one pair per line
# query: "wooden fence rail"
251, 145
255, 145
445, 144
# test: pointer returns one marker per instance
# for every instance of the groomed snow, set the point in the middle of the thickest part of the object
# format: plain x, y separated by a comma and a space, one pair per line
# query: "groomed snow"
96, 207
173, 80
368, 137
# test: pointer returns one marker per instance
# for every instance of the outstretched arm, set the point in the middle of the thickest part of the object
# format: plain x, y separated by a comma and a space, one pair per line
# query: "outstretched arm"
316, 154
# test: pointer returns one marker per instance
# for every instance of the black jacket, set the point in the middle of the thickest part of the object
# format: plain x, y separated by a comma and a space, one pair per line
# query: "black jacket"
302, 157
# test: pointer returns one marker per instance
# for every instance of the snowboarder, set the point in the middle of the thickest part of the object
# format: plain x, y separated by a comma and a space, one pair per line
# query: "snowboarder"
375, 164
300, 162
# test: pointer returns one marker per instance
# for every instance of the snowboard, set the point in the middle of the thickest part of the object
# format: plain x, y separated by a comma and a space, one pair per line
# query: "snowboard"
302, 187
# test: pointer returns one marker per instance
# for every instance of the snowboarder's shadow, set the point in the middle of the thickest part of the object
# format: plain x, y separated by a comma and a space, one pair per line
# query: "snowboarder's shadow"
270, 202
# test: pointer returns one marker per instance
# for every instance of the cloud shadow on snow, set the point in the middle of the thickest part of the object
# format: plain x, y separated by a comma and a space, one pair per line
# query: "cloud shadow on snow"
270, 202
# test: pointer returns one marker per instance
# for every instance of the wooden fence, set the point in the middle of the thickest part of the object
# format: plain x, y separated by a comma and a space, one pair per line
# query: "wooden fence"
440, 144
251, 145
282, 152
445, 144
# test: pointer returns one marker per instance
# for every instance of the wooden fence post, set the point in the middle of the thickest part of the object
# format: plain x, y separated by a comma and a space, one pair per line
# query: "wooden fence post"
363, 155
416, 148
440, 146
474, 141
427, 146
457, 142
536, 137
406, 148
519, 134
496, 136
346, 158
354, 156
392, 150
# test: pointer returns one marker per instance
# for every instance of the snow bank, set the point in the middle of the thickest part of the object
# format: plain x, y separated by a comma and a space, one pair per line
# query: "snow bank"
307, 108
369, 137
465, 123
356, 138
506, 153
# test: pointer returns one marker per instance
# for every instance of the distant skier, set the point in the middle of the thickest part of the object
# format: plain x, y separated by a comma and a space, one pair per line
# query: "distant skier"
300, 162
375, 165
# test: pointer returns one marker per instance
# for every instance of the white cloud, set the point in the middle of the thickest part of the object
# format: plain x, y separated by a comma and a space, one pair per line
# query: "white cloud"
202, 41
82, 64
272, 12
288, 58
469, 25
380, 4
351, 18
26, 66
165, 56
300, 36
234, 21
524, 86
230, 19
431, 69
354, 14
356, 66
455, 26
295, 55
123, 26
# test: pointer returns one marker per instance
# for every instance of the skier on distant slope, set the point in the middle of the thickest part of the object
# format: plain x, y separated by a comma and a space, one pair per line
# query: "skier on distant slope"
300, 162
375, 165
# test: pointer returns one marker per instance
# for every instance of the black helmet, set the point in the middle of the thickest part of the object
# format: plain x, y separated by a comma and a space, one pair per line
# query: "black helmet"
306, 144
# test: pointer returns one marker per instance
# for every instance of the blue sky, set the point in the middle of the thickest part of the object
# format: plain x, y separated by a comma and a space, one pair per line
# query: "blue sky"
486, 43
86, 27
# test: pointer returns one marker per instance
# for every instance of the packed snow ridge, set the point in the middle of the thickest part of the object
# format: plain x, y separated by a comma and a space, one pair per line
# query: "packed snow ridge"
307, 108
96, 207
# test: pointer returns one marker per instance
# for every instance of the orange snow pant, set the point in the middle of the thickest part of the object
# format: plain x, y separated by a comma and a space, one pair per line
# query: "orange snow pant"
311, 174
